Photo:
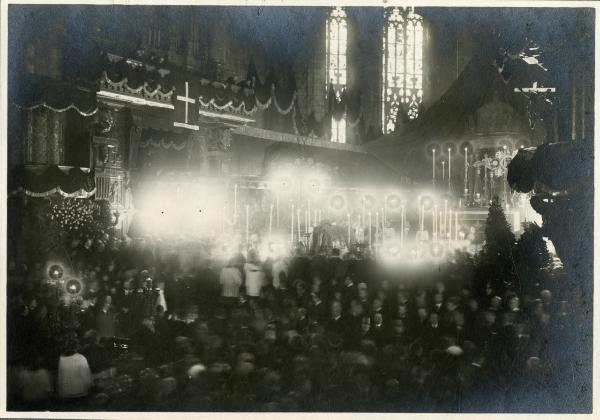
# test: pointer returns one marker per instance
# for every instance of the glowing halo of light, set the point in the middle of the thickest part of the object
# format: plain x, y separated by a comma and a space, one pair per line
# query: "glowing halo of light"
465, 145
182, 207
392, 253
274, 247
450, 198
393, 202
337, 202
449, 145
370, 201
73, 287
315, 183
427, 201
55, 272
437, 250
438, 150
282, 179
284, 184
506, 144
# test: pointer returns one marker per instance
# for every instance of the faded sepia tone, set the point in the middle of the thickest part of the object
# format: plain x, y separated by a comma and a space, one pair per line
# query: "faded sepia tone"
300, 209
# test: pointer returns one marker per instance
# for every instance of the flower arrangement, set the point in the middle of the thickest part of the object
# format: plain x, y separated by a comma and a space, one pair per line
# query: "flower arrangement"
71, 214
78, 219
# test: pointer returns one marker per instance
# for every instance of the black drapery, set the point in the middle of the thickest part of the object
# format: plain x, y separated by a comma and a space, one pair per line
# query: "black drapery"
33, 92
39, 181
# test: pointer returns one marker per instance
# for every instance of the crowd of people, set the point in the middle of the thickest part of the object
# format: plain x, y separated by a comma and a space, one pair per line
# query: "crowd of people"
325, 332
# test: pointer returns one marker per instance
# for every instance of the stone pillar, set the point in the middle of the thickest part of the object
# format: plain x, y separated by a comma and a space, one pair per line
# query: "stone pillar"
573, 106
55, 139
199, 142
582, 131
40, 131
135, 133
29, 146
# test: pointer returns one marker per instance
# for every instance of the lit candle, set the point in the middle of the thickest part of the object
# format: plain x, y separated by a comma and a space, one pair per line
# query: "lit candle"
349, 226
299, 225
247, 224
277, 210
433, 232
422, 220
449, 166
449, 234
223, 220
376, 226
466, 171
443, 170
292, 224
308, 218
456, 225
235, 191
433, 164
270, 220
402, 226
364, 206
370, 223
445, 216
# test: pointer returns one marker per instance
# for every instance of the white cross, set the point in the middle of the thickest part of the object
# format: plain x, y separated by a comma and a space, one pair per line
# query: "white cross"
535, 89
532, 60
188, 100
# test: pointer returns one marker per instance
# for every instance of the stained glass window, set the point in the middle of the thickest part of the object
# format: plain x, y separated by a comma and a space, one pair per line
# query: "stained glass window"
402, 65
337, 36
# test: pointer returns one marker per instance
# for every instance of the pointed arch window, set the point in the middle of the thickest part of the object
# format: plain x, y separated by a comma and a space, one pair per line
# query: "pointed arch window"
336, 48
402, 65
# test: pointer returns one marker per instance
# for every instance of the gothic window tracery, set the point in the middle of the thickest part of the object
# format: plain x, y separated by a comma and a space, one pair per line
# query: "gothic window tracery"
402, 65
336, 49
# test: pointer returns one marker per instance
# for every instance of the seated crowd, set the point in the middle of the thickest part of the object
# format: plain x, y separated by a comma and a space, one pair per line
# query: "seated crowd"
301, 333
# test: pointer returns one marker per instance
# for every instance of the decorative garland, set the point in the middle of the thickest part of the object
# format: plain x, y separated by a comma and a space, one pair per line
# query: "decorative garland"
45, 105
241, 108
281, 110
77, 194
122, 86
163, 143
263, 105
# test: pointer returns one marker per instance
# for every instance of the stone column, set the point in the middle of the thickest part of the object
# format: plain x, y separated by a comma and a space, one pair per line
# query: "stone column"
573, 106
29, 138
56, 146
40, 132
199, 142
135, 133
